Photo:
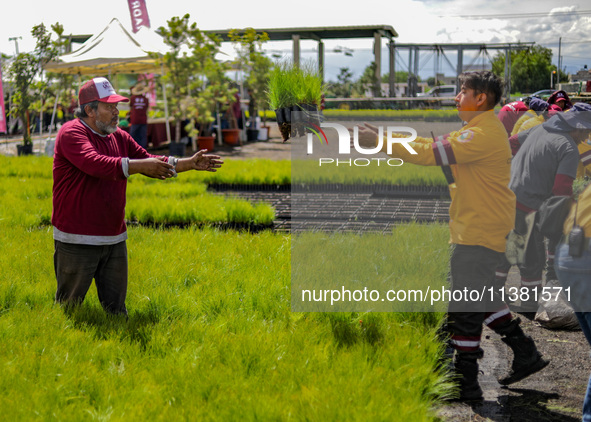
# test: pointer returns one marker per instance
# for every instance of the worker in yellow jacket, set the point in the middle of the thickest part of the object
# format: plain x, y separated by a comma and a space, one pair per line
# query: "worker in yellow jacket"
573, 267
481, 215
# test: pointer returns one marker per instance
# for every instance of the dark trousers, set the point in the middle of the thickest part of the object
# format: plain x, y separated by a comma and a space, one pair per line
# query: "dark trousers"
535, 256
473, 270
77, 265
140, 134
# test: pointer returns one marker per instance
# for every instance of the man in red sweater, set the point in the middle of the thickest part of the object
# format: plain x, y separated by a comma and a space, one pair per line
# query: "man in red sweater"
510, 113
93, 159
138, 106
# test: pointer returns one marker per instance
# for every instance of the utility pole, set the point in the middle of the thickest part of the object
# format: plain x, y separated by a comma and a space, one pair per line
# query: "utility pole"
559, 60
15, 39
508, 74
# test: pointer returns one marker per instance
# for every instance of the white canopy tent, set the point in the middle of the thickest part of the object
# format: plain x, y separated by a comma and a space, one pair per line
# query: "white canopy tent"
114, 50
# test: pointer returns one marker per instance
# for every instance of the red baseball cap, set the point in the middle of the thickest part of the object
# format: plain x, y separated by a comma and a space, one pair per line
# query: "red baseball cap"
99, 89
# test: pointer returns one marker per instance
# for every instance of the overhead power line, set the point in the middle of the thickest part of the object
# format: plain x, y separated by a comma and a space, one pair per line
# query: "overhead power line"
522, 15
570, 42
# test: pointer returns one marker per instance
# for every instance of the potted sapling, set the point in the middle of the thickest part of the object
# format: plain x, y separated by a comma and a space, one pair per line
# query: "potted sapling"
255, 67
295, 93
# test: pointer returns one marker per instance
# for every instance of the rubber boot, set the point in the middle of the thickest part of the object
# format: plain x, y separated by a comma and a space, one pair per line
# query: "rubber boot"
526, 358
466, 366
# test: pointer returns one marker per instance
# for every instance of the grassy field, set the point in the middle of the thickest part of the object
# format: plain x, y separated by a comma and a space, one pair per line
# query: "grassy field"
414, 259
27, 184
282, 172
242, 172
210, 334
309, 172
427, 115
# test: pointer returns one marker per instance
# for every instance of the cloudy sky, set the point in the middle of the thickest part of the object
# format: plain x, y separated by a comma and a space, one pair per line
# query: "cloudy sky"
449, 21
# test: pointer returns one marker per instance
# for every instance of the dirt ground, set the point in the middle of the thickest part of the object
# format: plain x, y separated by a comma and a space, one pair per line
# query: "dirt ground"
554, 394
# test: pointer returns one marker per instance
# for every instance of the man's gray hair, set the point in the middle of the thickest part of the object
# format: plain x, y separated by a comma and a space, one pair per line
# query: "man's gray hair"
81, 112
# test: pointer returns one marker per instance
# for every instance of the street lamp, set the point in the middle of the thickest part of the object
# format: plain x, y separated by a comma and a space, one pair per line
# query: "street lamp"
15, 39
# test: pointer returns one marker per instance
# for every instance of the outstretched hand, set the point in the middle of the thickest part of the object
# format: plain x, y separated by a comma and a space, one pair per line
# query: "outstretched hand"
206, 162
367, 136
154, 167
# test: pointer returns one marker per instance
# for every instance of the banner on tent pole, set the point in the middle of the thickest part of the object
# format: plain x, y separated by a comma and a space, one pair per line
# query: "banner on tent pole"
2, 111
139, 14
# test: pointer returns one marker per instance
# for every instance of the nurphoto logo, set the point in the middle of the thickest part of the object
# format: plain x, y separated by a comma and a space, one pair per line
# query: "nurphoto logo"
345, 143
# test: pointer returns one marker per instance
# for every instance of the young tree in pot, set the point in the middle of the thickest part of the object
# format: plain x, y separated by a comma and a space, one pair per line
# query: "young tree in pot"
56, 89
181, 66
23, 70
211, 95
296, 89
193, 74
256, 67
258, 81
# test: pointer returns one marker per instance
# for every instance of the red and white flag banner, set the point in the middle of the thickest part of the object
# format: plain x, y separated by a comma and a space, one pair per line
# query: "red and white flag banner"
139, 14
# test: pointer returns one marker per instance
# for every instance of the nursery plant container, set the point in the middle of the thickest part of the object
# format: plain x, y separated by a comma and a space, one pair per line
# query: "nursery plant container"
206, 142
231, 136
252, 134
24, 149
263, 133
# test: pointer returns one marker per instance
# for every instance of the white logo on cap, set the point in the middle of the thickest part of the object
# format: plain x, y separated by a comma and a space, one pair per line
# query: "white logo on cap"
104, 87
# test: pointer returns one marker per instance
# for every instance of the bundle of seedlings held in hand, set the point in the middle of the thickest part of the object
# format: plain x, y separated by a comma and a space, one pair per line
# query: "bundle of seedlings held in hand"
295, 93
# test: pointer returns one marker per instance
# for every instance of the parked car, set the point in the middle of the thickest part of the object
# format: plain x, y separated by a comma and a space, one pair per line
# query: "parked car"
543, 94
448, 92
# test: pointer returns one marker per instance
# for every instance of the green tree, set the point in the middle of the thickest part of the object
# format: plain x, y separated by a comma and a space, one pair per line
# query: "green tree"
178, 35
343, 87
210, 90
399, 77
23, 71
59, 84
255, 65
193, 75
530, 68
367, 80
